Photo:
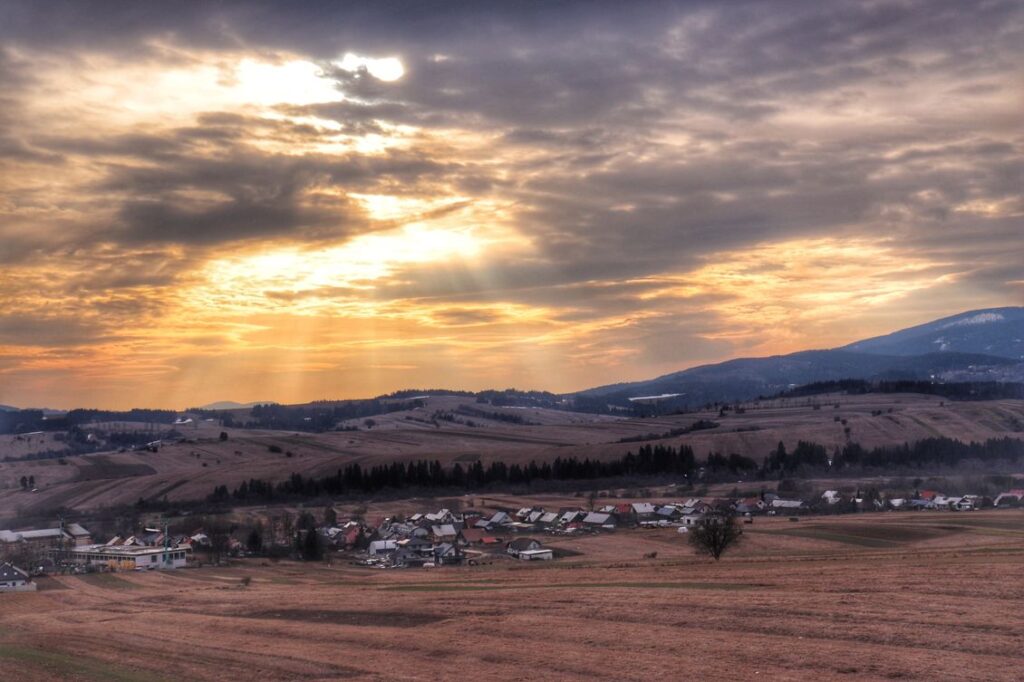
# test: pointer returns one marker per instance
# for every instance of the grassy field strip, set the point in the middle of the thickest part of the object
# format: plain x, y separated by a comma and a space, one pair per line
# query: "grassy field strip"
75, 667
453, 587
107, 581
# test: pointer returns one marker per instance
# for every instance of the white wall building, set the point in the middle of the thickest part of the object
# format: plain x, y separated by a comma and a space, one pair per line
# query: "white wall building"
131, 558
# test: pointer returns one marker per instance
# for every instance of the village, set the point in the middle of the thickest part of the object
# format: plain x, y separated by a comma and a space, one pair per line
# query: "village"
426, 539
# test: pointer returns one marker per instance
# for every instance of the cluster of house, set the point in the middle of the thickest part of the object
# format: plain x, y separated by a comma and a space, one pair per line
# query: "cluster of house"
932, 499
447, 537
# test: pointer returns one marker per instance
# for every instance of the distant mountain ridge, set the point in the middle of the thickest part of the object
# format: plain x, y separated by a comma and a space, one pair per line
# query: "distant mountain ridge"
976, 345
232, 405
992, 331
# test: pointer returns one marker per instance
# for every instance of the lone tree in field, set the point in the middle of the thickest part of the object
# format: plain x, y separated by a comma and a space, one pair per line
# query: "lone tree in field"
714, 534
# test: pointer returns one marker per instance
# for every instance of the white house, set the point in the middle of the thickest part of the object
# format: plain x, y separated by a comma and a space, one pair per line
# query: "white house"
536, 555
520, 545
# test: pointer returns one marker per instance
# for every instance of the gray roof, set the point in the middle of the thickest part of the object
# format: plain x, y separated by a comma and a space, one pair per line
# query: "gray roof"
520, 544
11, 572
444, 530
596, 517
44, 533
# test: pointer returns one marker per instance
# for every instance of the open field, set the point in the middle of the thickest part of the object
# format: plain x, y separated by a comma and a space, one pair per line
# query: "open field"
880, 597
191, 470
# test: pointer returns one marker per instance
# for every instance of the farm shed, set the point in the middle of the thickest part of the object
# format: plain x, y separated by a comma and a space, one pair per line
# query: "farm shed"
536, 555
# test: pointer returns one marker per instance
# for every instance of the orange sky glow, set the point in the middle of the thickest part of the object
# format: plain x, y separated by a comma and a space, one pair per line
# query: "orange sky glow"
247, 220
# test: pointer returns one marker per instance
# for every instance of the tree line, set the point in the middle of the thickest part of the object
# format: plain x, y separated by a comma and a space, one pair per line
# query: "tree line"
22, 421
960, 390
315, 417
805, 460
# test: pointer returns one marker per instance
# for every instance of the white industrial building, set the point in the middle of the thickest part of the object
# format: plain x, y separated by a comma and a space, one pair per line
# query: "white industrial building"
131, 558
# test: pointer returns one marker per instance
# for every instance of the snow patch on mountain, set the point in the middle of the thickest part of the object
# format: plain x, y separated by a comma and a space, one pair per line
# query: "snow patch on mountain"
980, 318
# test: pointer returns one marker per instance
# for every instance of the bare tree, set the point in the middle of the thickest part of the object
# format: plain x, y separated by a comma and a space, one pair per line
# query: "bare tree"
714, 534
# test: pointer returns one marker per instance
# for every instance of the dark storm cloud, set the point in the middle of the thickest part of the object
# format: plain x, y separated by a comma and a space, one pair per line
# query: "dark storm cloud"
36, 330
592, 92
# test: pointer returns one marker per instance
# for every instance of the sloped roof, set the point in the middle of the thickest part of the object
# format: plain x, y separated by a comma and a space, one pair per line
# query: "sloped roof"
43, 533
444, 530
596, 517
519, 544
12, 572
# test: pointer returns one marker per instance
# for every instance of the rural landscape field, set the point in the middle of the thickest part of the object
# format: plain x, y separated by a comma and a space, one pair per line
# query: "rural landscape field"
919, 598
201, 461
520, 340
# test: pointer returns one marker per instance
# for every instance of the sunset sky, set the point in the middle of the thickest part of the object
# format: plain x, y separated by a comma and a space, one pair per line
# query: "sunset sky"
294, 201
